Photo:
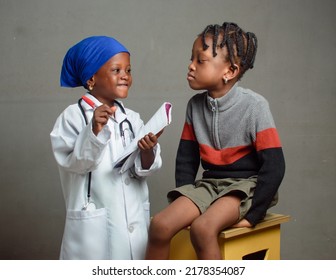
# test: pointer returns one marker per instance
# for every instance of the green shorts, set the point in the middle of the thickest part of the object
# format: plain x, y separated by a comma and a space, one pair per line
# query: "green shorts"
205, 191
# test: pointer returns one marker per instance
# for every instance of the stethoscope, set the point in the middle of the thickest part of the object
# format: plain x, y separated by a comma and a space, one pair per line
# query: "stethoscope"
90, 205
122, 124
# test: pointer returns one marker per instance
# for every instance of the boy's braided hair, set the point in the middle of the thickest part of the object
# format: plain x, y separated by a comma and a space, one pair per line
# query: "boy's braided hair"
242, 46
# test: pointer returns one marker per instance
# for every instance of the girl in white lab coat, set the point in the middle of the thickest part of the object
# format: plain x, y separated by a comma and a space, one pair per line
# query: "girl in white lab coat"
107, 207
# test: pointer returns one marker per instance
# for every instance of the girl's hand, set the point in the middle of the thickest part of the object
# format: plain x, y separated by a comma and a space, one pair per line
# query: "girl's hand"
148, 142
146, 145
101, 116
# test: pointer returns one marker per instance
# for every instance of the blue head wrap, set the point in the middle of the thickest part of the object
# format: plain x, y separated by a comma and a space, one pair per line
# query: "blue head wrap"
85, 58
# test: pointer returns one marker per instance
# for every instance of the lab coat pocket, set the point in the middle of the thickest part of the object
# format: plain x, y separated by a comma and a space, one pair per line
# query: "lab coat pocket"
86, 235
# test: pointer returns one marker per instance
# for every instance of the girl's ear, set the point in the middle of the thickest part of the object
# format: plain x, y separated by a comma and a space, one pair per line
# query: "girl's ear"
231, 74
90, 83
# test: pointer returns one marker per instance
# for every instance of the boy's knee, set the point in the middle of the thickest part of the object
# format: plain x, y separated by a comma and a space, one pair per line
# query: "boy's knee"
198, 226
159, 229
200, 230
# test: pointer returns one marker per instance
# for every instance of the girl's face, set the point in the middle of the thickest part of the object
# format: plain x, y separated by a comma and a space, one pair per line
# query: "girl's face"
113, 79
205, 71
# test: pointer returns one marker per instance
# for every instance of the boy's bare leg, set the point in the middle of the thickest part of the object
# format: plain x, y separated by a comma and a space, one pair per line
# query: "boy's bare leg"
223, 213
164, 225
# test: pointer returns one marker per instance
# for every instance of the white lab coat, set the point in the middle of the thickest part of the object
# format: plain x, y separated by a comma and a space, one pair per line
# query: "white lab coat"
118, 227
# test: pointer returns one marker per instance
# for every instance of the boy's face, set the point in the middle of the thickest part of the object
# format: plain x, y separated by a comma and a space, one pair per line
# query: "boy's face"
205, 71
113, 79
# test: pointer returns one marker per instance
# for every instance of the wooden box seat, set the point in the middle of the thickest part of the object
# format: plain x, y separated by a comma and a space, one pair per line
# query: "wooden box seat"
260, 242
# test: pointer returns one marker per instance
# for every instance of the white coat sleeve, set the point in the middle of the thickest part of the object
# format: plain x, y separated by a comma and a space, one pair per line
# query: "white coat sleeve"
74, 145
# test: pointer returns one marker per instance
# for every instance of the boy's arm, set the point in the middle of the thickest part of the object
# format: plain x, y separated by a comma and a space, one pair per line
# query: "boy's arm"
268, 146
270, 177
187, 159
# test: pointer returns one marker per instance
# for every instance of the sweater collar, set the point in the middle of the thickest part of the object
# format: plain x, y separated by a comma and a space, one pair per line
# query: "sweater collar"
224, 102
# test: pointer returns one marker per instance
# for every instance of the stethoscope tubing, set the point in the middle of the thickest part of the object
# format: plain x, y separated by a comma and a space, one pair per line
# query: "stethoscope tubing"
122, 134
121, 124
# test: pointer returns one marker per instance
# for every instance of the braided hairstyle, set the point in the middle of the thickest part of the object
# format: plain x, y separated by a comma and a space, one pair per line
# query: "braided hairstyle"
241, 46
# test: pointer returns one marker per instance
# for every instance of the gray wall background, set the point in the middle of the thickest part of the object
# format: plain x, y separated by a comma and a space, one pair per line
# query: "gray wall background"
294, 70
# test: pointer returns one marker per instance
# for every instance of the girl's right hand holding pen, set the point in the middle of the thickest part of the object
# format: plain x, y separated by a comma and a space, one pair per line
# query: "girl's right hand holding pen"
100, 117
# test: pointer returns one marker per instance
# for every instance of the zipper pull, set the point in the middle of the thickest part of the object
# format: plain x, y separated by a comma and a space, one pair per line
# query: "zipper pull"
213, 105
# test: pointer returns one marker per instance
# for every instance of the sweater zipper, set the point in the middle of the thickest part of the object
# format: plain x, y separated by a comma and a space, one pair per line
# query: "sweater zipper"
214, 125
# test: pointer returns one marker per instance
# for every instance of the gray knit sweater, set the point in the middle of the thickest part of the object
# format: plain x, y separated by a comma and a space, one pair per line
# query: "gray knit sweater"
233, 137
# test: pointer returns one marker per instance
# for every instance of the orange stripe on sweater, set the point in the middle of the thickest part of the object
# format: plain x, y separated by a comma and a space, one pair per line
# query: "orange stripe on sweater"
224, 156
188, 132
266, 139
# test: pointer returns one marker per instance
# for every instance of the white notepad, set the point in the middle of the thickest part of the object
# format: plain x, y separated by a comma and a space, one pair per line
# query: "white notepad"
157, 122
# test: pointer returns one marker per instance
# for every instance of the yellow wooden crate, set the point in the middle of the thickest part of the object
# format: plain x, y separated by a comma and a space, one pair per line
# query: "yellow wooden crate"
259, 242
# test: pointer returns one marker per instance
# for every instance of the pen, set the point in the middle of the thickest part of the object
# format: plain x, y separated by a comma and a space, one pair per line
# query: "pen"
121, 129
89, 101
93, 105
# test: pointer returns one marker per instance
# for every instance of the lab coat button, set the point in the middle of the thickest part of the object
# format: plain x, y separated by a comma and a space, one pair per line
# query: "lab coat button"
130, 228
127, 181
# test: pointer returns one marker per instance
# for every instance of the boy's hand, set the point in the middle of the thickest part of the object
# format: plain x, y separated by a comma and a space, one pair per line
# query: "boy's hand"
101, 116
242, 223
